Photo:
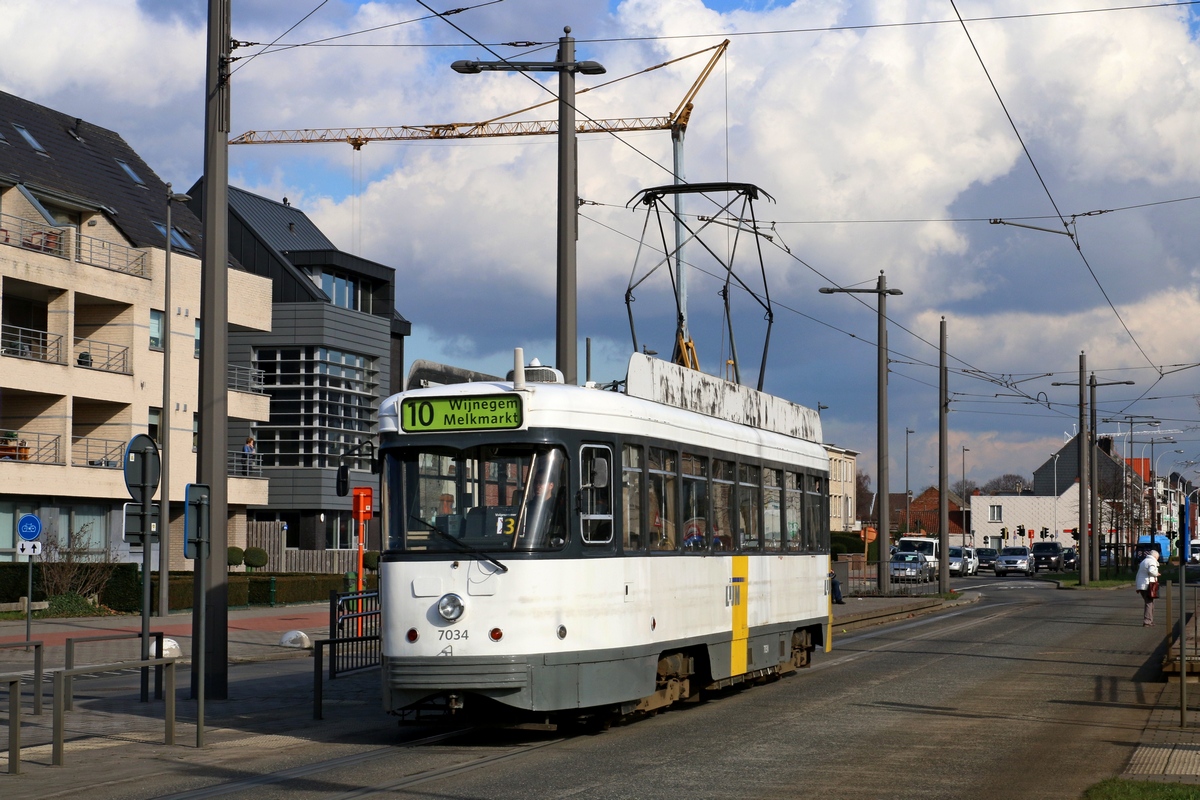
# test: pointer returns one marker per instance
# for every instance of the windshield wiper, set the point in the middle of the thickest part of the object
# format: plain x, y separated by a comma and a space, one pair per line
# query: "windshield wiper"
466, 548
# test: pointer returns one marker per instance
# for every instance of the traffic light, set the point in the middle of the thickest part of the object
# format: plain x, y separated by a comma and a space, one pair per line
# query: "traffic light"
1045, 534
1075, 534
1020, 531
1004, 534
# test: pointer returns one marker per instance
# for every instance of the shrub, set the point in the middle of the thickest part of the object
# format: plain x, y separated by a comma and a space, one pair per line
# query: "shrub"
73, 605
235, 556
256, 557
371, 560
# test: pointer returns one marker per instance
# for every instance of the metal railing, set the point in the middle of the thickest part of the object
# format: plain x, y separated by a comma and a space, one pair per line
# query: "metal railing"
43, 238
108, 255
36, 448
353, 615
862, 579
94, 354
244, 465
246, 379
102, 453
31, 343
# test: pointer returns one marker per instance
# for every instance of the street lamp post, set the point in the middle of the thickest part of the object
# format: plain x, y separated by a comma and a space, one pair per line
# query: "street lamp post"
882, 292
907, 494
164, 425
568, 199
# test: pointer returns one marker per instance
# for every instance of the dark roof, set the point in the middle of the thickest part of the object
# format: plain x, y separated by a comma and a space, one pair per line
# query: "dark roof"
277, 224
80, 169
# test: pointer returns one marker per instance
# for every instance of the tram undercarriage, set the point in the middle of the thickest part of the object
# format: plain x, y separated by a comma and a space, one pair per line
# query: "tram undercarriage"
681, 677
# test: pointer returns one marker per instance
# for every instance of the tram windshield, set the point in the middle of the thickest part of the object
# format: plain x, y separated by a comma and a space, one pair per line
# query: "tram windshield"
486, 498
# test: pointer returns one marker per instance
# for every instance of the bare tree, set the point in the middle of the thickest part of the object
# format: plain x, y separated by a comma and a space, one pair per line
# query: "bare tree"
863, 495
1007, 483
75, 567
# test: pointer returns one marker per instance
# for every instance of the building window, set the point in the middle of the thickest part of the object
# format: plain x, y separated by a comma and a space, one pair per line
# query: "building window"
88, 529
156, 330
196, 340
195, 432
27, 136
178, 242
129, 171
322, 403
995, 513
154, 424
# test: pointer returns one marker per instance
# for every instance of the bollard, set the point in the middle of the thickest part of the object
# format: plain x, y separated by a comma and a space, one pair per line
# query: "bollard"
272, 584
14, 724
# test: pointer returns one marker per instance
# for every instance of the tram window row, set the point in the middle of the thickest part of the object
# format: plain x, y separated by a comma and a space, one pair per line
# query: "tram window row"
676, 501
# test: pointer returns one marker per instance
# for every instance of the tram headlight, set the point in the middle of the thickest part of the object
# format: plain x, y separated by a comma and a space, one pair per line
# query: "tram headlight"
450, 607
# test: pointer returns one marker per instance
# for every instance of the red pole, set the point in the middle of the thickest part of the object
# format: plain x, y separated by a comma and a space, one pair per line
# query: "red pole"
362, 531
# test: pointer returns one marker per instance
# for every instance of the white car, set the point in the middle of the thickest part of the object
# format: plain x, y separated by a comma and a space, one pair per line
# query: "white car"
1015, 559
963, 561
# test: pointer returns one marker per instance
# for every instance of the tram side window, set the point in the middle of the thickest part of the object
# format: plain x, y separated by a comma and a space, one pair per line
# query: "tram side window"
772, 511
814, 508
724, 507
663, 479
794, 502
595, 493
749, 507
695, 502
631, 491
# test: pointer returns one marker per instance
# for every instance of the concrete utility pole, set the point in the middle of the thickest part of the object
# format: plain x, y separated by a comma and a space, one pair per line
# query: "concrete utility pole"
567, 356
943, 469
212, 469
882, 291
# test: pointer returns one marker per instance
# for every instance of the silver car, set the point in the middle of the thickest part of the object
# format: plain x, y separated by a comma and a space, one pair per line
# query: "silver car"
1015, 559
911, 567
963, 561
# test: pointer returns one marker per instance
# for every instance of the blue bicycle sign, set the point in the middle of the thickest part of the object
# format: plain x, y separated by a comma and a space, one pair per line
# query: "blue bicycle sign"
29, 527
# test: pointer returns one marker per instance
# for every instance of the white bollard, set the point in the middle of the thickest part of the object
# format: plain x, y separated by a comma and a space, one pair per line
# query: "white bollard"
296, 639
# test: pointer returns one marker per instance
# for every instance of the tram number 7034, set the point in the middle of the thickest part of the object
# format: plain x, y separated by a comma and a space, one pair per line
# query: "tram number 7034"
452, 633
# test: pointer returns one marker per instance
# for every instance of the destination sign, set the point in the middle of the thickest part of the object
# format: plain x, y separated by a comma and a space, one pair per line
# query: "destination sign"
487, 412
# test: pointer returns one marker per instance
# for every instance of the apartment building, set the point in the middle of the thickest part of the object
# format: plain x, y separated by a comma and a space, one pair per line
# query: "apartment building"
843, 498
334, 351
84, 324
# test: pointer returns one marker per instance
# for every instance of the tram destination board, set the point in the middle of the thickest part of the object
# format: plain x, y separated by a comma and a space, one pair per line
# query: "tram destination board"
482, 413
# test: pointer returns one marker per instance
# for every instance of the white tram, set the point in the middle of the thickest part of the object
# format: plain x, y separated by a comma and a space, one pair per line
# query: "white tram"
573, 551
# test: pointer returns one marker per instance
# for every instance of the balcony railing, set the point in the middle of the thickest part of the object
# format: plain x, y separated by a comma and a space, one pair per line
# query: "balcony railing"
117, 257
94, 354
246, 379
32, 344
101, 453
30, 447
44, 238
244, 465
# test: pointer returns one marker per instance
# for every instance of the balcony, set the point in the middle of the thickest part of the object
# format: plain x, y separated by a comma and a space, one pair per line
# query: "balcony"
93, 354
31, 344
244, 465
246, 379
99, 453
30, 447
43, 238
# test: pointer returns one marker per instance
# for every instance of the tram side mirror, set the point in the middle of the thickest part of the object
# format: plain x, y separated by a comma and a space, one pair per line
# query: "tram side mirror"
600, 473
343, 480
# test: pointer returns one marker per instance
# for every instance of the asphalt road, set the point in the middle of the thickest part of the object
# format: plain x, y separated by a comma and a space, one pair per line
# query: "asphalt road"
1029, 693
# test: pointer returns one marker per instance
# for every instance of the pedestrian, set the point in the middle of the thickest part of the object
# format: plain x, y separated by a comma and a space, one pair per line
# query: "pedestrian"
248, 451
1146, 585
835, 588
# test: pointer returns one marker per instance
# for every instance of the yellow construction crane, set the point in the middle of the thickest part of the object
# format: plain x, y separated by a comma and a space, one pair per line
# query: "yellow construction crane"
498, 126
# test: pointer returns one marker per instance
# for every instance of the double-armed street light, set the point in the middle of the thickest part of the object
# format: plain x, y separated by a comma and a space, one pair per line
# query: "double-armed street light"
568, 199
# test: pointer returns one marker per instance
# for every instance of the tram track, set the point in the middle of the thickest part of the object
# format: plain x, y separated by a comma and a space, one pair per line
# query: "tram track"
281, 777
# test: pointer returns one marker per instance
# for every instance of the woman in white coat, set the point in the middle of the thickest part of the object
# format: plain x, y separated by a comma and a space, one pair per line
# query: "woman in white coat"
1147, 574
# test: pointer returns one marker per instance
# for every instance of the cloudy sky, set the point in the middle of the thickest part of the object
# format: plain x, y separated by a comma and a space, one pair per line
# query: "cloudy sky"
888, 134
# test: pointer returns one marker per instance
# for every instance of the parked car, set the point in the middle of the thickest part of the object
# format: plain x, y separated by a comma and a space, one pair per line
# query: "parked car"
911, 567
1047, 555
1015, 559
1194, 552
987, 557
963, 561
972, 560
1070, 559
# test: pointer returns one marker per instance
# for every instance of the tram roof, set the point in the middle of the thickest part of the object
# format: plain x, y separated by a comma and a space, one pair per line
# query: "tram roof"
662, 400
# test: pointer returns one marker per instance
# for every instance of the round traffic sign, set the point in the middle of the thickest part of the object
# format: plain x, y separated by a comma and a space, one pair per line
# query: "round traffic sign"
143, 465
29, 527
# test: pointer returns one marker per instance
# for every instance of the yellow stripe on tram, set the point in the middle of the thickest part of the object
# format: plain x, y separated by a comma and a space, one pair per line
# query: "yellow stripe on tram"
739, 602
